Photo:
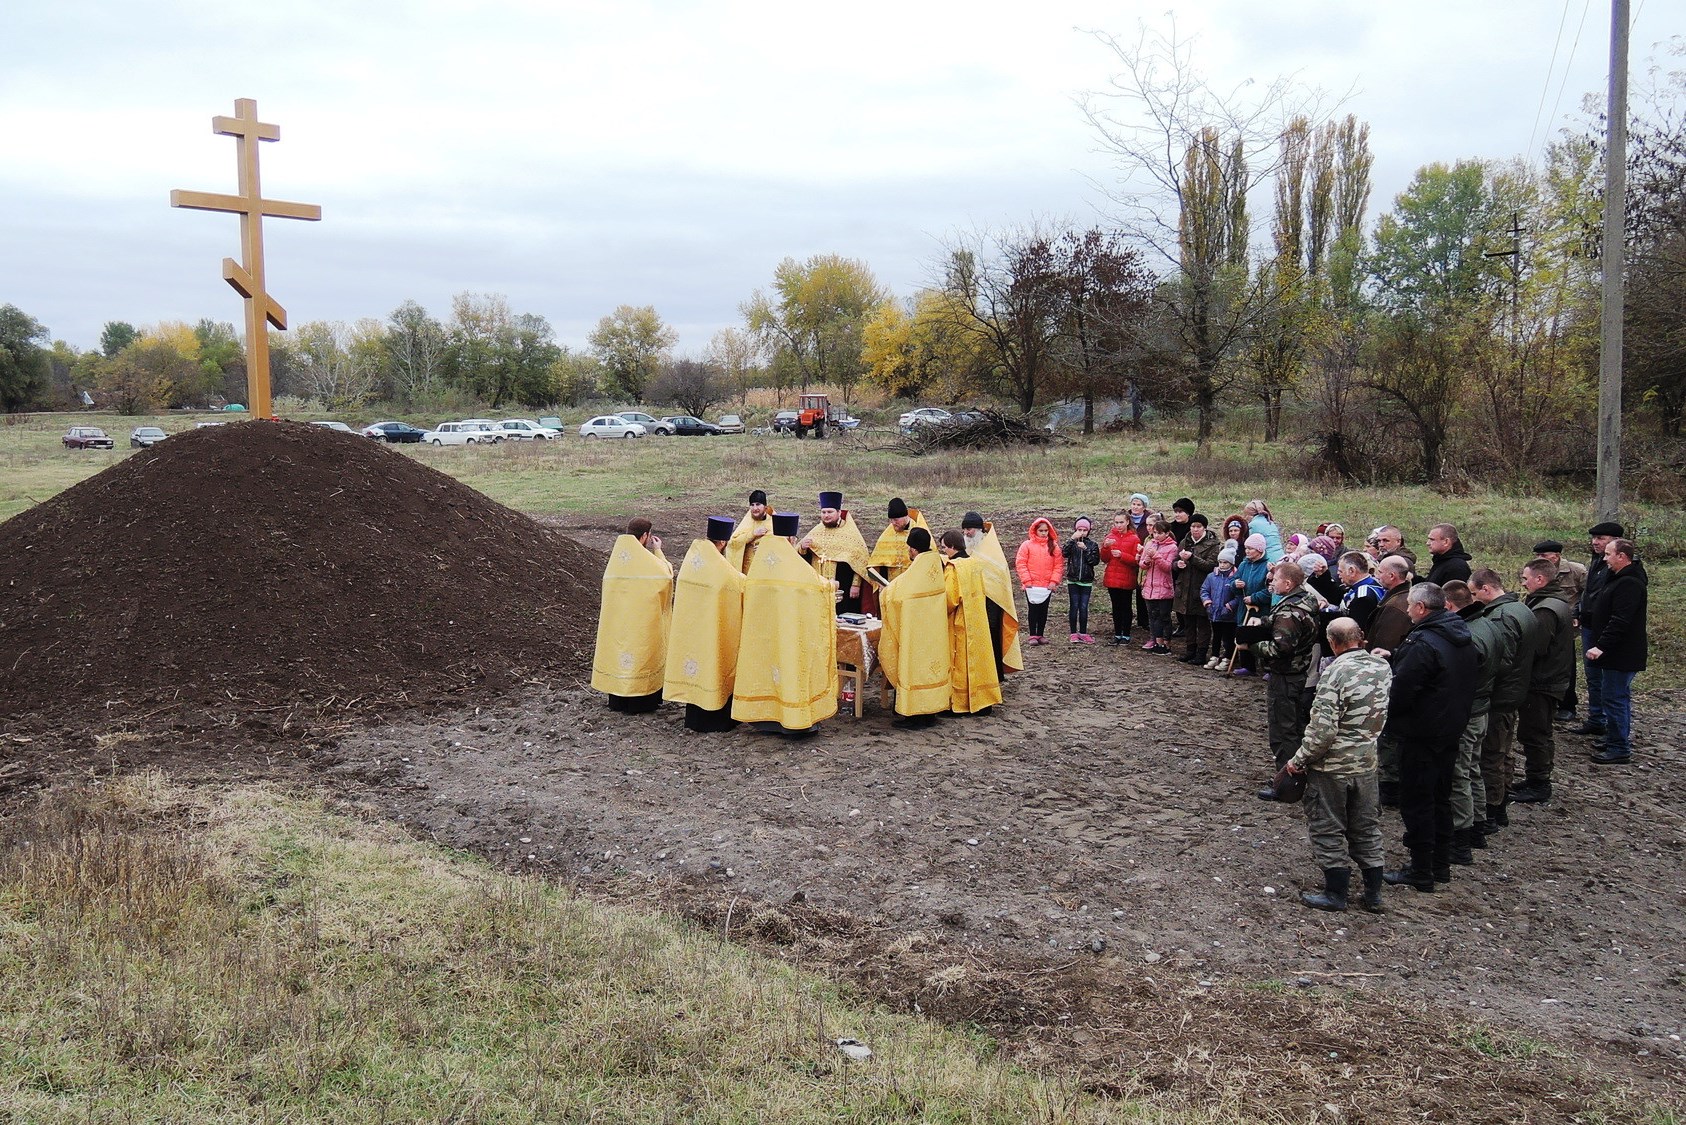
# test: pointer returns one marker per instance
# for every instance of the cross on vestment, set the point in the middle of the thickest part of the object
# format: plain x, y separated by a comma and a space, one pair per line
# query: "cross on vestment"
246, 276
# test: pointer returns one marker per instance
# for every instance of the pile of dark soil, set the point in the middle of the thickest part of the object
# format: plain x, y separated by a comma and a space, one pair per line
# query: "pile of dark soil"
266, 576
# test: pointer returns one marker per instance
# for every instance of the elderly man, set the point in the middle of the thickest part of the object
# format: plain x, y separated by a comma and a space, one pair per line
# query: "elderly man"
837, 552
1554, 655
1518, 636
632, 622
1434, 682
1601, 535
1386, 632
1283, 645
1361, 593
1616, 618
1338, 756
702, 646
1388, 541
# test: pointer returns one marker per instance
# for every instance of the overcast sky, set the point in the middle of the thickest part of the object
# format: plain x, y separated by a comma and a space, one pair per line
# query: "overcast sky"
576, 156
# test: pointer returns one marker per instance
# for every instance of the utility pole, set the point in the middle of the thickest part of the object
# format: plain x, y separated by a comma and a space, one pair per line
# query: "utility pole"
1614, 261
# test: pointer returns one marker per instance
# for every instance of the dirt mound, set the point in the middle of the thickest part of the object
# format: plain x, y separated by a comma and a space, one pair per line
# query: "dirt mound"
264, 575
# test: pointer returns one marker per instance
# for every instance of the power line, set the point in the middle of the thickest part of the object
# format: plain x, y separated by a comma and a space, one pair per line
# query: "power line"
1551, 68
1569, 64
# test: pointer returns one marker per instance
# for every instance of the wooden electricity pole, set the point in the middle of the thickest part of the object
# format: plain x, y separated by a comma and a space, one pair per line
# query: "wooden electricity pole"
1614, 262
246, 276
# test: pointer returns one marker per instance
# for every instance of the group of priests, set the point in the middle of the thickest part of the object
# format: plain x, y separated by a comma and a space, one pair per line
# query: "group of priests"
746, 630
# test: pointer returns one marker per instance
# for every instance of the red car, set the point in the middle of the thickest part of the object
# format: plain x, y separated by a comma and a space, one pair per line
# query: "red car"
87, 437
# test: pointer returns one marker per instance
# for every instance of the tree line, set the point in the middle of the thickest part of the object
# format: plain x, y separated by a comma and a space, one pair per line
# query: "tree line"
1240, 268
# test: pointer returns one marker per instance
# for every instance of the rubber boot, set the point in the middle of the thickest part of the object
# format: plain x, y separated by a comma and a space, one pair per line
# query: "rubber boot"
1418, 874
1460, 850
1372, 900
1336, 880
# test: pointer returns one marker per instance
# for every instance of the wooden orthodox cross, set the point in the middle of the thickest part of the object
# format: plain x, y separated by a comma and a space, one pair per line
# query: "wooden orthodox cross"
247, 276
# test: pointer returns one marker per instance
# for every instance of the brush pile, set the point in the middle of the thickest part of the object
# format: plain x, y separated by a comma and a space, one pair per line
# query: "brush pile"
976, 430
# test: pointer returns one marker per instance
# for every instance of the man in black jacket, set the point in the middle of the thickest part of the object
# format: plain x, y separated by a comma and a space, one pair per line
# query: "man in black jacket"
1447, 557
1435, 674
1615, 617
1602, 535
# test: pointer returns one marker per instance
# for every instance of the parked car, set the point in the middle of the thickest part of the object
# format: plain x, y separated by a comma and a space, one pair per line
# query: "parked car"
552, 422
686, 425
207, 425
653, 425
611, 426
525, 429
337, 427
88, 437
460, 433
730, 424
145, 437
922, 416
846, 421
786, 421
395, 432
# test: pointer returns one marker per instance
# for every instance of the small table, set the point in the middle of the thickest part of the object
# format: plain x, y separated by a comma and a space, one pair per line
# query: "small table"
857, 653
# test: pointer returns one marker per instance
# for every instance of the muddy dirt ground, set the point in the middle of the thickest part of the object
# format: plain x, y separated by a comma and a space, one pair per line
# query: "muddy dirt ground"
1087, 873
1103, 824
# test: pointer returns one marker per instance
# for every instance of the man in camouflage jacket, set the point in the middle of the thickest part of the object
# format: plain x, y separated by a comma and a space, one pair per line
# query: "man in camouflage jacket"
1286, 653
1338, 757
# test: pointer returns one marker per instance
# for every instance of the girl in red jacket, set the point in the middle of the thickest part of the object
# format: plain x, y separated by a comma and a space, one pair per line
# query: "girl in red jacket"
1119, 552
1041, 567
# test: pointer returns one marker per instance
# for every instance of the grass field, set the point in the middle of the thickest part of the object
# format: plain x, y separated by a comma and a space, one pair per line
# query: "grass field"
188, 955
1095, 476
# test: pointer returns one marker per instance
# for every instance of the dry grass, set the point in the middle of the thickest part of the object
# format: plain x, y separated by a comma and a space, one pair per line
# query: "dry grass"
181, 955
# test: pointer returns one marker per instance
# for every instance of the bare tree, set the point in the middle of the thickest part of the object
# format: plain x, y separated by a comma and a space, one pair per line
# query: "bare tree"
1006, 294
1189, 158
693, 385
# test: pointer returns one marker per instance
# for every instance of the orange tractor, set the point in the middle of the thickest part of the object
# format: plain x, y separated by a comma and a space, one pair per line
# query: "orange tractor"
814, 415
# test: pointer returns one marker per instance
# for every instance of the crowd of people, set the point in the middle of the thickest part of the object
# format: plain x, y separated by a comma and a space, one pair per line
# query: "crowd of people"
1390, 682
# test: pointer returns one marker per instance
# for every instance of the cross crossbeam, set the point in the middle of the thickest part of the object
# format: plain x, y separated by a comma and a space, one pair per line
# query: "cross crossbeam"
246, 276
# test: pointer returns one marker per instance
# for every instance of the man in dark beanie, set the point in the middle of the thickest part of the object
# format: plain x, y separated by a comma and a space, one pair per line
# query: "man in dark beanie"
1597, 572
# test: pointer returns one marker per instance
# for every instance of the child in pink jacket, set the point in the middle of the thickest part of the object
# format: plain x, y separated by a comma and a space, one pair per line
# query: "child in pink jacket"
1159, 585
1041, 568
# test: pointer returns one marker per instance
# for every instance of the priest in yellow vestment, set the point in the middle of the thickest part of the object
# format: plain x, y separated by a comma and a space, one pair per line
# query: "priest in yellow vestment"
756, 524
974, 682
913, 649
983, 544
632, 624
702, 648
889, 555
787, 657
837, 551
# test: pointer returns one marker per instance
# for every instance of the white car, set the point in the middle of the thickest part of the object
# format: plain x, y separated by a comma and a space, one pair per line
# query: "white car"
340, 426
525, 429
461, 433
923, 416
613, 426
652, 425
485, 425
730, 424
